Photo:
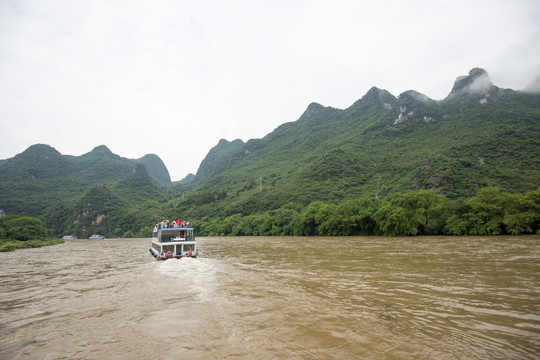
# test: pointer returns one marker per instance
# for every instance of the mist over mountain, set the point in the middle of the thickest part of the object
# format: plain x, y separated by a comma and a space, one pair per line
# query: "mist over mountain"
479, 136
533, 86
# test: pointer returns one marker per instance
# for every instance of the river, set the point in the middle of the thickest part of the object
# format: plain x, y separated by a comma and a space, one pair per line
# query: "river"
275, 298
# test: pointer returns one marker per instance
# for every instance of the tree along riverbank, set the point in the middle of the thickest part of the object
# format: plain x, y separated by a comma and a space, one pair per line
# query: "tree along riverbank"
422, 212
490, 212
18, 232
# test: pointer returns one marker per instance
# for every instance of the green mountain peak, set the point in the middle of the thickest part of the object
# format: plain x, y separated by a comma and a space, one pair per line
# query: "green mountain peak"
101, 149
313, 108
219, 158
414, 95
156, 168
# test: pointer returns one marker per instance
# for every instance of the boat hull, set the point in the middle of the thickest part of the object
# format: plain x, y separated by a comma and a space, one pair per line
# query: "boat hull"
156, 254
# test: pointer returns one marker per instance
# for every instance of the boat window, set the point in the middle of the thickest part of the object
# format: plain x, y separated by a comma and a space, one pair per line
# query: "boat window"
167, 236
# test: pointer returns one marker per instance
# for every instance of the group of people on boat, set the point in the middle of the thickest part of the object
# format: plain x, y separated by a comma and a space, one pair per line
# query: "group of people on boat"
165, 224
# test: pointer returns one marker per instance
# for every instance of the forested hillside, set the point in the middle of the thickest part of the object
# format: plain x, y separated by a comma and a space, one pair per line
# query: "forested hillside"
43, 183
383, 161
479, 136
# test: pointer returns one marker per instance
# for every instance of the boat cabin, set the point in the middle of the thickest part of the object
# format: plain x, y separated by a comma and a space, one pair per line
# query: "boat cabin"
173, 243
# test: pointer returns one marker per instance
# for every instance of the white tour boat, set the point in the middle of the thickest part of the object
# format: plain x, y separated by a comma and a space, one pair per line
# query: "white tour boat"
97, 237
173, 242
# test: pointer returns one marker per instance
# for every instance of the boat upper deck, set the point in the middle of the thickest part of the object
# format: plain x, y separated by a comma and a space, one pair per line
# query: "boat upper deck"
173, 234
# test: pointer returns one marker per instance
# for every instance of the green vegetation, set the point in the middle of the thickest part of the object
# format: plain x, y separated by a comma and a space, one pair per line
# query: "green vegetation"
24, 232
40, 178
423, 212
387, 165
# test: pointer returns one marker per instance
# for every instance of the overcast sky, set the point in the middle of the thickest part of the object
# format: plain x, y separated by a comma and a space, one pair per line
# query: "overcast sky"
174, 77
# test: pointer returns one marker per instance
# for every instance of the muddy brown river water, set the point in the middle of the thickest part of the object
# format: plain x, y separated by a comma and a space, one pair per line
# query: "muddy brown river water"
275, 298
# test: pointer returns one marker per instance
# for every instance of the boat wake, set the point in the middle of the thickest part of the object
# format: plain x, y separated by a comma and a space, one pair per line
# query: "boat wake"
199, 275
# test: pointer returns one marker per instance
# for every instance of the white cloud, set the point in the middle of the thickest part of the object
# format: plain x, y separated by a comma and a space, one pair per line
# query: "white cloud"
173, 77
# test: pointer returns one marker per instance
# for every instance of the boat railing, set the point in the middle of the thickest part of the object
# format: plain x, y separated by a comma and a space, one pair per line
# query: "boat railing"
177, 238
172, 228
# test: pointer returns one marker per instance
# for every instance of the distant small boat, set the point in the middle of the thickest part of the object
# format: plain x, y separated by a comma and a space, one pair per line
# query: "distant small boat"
69, 237
96, 237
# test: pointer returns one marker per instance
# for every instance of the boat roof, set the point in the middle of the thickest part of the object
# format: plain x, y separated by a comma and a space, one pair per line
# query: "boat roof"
180, 228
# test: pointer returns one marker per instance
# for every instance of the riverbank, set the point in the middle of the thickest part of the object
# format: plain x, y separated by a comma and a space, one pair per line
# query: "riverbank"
11, 245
